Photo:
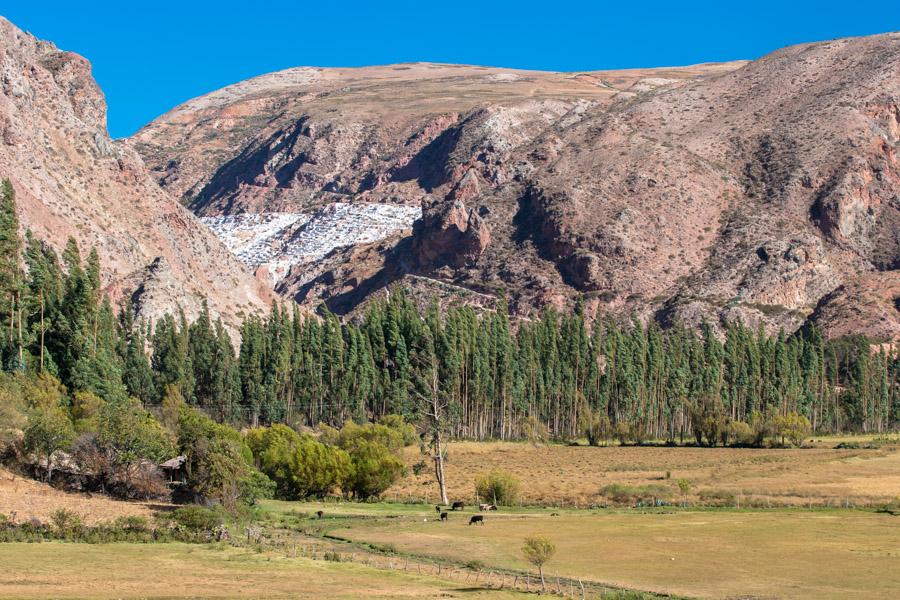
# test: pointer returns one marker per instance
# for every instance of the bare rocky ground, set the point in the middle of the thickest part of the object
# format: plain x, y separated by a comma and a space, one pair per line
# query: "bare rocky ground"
764, 191
72, 180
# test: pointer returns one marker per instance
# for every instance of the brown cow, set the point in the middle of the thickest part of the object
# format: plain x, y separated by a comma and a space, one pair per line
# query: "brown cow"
320, 514
476, 519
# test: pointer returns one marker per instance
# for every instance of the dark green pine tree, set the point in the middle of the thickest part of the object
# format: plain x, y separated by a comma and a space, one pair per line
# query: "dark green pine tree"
11, 277
137, 374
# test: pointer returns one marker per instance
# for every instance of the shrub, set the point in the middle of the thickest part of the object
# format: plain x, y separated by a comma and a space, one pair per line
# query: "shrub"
717, 497
196, 518
739, 434
534, 431
353, 436
316, 469
633, 494
891, 508
256, 486
374, 469
597, 428
66, 522
792, 426
498, 487
86, 407
272, 449
406, 430
622, 432
217, 460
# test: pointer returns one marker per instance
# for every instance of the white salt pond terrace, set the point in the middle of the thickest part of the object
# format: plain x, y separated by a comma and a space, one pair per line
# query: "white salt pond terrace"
280, 240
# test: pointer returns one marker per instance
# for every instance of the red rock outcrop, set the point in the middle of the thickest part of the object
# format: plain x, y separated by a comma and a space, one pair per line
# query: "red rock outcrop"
72, 180
766, 191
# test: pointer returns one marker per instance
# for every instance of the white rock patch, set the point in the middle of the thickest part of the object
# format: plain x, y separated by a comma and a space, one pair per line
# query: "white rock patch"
281, 240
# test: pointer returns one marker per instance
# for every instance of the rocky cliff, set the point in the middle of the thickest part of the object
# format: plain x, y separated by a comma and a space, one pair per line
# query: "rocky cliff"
766, 191
72, 180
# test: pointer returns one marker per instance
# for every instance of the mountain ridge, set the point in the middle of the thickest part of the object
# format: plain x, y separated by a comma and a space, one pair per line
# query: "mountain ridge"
72, 180
764, 191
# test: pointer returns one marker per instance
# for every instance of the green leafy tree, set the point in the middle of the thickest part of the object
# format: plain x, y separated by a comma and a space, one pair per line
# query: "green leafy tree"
538, 550
317, 469
49, 431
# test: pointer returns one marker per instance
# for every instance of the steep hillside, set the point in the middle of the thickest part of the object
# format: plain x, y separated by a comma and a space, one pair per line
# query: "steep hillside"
71, 180
765, 191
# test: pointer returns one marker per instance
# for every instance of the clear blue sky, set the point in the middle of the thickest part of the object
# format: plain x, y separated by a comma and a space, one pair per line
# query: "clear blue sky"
151, 56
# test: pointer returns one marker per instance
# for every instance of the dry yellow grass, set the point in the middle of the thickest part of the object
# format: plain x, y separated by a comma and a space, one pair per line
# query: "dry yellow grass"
567, 475
59, 570
27, 498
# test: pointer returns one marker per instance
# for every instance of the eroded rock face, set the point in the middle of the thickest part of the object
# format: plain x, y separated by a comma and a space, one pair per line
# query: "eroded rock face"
72, 180
448, 234
753, 191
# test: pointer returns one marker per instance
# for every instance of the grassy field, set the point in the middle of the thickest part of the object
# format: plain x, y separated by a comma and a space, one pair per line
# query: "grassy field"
779, 553
573, 475
61, 570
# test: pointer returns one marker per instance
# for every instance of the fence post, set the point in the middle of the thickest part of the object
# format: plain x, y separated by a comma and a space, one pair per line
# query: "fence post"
582, 589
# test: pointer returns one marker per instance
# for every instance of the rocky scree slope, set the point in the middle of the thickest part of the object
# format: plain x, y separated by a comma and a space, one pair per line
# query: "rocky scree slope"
72, 180
767, 192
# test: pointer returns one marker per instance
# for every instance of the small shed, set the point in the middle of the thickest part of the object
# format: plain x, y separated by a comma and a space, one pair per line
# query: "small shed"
174, 469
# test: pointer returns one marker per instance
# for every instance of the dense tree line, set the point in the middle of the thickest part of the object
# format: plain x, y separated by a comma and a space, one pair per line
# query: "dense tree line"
490, 376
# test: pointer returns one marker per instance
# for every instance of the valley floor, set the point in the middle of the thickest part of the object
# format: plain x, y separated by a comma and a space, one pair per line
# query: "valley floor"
713, 553
820, 475
68, 570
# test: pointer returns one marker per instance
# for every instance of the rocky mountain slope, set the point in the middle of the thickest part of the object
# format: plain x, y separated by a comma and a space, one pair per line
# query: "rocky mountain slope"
72, 180
767, 191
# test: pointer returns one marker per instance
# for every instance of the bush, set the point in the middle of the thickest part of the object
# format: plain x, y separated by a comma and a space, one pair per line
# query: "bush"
86, 408
217, 460
740, 434
273, 448
256, 486
717, 498
352, 436
66, 522
316, 469
597, 428
793, 427
196, 518
406, 430
374, 469
634, 494
497, 487
534, 431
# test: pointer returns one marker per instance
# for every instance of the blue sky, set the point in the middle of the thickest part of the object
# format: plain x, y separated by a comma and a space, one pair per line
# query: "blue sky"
151, 56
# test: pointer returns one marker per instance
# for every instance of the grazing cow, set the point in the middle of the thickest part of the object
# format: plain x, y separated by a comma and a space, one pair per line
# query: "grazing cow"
444, 516
319, 514
437, 509
476, 519
457, 506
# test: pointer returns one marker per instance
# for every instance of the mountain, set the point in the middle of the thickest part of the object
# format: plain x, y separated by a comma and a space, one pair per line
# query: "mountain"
766, 191
72, 180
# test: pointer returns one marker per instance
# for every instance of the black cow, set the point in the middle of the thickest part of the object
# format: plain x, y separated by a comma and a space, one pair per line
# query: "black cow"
457, 506
475, 519
319, 514
438, 509
444, 516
